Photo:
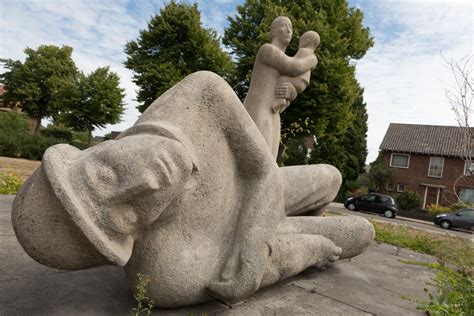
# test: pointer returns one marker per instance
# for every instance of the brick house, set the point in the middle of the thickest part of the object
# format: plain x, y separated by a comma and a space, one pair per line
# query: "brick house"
427, 159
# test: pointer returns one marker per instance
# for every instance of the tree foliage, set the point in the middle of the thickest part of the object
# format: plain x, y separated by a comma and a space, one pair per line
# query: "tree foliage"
351, 146
41, 83
48, 85
379, 175
333, 102
173, 46
96, 102
16, 140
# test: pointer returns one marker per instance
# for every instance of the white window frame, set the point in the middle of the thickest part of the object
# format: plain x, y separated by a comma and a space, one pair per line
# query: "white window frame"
442, 168
390, 187
401, 190
408, 161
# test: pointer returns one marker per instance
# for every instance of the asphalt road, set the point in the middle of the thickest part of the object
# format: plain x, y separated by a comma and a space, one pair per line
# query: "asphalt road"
413, 223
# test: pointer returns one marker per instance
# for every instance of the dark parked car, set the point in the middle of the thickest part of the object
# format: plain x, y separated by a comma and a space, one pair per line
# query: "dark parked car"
460, 219
373, 202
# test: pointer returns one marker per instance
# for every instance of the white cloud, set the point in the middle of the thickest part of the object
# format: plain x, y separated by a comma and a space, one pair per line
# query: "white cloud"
97, 31
403, 74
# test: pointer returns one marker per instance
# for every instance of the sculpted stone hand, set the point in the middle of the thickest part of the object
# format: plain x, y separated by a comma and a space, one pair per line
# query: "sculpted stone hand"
308, 43
285, 92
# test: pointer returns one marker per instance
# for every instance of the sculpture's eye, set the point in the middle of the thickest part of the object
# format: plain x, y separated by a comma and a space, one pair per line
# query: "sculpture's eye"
106, 175
102, 180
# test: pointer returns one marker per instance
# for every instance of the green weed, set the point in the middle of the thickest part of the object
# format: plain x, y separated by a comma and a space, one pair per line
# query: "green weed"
144, 303
10, 182
454, 293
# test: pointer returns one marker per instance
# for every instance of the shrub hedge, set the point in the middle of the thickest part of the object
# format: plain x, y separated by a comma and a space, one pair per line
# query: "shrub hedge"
408, 201
17, 142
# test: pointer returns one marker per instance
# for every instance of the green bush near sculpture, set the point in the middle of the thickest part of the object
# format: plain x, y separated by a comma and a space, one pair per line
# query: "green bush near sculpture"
16, 141
10, 182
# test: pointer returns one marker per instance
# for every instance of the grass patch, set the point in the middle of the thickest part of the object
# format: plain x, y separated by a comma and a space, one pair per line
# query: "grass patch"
414, 239
454, 267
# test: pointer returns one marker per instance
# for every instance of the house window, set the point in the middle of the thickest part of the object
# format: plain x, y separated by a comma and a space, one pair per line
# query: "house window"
436, 167
467, 195
401, 188
468, 167
390, 186
399, 160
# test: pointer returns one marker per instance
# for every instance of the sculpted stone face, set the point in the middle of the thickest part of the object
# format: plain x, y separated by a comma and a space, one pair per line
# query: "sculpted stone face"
309, 40
282, 30
133, 192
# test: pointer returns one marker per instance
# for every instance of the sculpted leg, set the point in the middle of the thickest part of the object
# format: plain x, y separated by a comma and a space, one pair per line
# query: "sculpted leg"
309, 188
293, 253
352, 233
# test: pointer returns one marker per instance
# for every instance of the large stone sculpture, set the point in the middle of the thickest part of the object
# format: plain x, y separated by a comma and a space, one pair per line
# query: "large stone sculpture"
190, 196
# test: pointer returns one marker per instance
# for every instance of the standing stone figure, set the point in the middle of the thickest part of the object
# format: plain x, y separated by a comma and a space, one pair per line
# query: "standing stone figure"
271, 63
190, 196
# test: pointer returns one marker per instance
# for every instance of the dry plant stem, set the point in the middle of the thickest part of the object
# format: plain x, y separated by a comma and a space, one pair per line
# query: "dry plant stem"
460, 96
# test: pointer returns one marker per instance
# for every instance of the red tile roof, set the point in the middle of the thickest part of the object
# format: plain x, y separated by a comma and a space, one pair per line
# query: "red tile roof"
425, 139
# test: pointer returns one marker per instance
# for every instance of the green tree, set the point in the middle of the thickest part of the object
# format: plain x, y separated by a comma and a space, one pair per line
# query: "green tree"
41, 83
333, 101
352, 144
173, 46
379, 175
96, 102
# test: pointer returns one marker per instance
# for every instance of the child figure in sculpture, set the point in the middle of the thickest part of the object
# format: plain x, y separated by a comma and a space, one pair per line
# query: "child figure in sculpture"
309, 41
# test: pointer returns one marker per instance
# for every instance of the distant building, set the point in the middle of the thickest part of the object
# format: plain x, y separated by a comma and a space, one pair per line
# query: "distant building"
2, 92
114, 134
429, 160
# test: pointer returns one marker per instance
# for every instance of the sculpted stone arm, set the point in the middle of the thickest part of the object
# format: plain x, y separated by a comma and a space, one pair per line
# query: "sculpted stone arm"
245, 267
257, 224
287, 66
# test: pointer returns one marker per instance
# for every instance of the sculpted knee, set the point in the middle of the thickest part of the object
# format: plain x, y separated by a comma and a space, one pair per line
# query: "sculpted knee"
333, 180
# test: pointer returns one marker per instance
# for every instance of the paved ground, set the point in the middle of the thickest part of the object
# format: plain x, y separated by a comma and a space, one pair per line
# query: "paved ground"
371, 284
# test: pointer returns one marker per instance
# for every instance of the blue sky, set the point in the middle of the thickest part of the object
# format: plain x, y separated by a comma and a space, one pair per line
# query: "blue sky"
404, 74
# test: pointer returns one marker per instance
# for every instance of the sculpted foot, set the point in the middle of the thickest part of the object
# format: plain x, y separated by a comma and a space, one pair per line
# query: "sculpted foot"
329, 253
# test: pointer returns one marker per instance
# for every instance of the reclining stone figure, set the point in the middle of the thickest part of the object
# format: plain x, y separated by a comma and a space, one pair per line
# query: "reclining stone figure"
190, 196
